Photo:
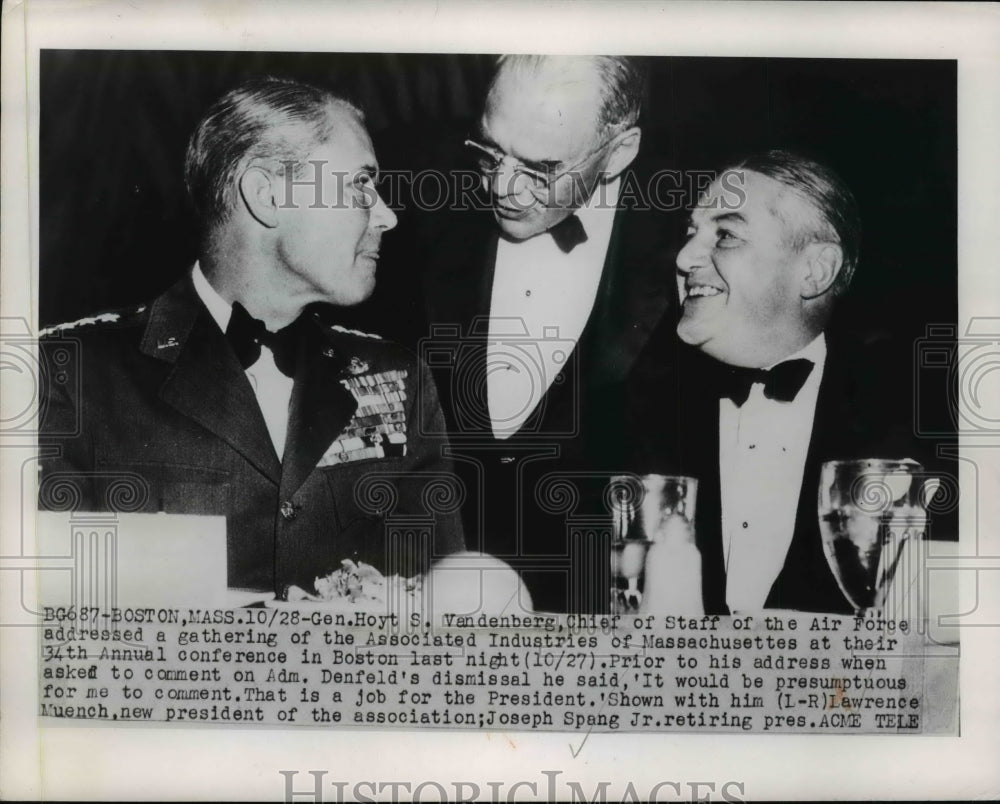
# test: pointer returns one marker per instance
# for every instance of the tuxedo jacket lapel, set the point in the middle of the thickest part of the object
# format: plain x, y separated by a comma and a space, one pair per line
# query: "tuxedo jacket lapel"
805, 581
320, 408
632, 297
699, 428
708, 531
459, 292
207, 383
673, 421
479, 326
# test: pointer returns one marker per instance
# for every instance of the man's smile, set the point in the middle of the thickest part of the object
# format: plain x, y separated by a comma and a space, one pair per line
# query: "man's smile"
694, 290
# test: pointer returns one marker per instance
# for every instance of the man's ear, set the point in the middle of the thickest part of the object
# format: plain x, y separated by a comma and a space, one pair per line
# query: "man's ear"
822, 263
623, 153
257, 193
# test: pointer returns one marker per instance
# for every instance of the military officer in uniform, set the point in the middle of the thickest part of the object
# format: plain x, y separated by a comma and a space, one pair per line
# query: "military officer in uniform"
230, 394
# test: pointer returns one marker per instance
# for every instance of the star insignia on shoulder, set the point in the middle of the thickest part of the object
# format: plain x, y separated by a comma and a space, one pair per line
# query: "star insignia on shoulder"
357, 332
123, 317
109, 318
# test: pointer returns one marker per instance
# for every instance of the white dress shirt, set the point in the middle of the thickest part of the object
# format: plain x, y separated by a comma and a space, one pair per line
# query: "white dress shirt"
272, 388
762, 454
541, 300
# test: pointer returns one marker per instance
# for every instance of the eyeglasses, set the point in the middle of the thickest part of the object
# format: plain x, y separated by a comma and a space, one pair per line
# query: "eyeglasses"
489, 160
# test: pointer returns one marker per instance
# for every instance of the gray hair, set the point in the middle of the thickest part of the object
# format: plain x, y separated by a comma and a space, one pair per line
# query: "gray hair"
621, 84
264, 118
839, 219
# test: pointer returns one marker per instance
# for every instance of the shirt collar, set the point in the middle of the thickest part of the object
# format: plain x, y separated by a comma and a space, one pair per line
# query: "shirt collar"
814, 351
220, 309
604, 200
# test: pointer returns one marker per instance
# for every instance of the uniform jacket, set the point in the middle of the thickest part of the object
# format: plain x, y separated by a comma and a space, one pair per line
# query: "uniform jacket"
514, 506
864, 410
150, 411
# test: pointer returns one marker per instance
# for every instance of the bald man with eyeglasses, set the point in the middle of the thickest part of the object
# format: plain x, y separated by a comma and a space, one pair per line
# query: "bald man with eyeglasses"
538, 308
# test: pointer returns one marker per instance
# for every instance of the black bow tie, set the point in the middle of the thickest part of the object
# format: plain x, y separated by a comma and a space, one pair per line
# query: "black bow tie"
568, 233
246, 334
782, 382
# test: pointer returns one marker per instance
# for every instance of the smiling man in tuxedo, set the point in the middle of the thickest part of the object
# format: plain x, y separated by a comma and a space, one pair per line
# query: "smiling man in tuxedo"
230, 393
764, 395
759, 284
545, 300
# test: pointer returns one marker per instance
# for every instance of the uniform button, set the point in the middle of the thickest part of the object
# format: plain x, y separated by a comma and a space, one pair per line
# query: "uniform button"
288, 510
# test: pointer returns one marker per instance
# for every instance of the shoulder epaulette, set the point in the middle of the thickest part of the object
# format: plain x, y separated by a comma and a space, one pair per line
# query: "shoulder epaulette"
356, 332
88, 321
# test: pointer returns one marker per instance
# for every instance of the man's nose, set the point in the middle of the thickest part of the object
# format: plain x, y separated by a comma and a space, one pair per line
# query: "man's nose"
691, 256
508, 182
382, 216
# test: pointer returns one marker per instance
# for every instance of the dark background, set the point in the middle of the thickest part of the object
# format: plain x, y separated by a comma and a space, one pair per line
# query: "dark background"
115, 227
